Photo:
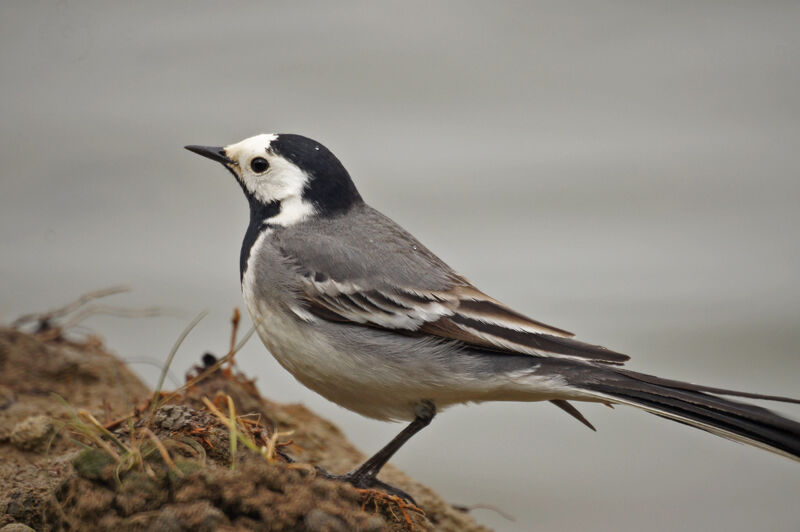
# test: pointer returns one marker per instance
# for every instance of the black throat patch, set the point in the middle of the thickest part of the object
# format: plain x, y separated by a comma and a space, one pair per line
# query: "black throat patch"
259, 213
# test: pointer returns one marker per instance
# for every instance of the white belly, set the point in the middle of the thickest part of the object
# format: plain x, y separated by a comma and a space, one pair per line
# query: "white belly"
294, 346
309, 356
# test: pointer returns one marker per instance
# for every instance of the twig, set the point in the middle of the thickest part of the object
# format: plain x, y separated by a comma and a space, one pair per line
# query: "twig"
234, 329
214, 367
45, 317
120, 312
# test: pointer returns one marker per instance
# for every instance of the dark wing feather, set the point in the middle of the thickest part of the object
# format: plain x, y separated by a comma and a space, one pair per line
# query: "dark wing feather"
462, 313
395, 283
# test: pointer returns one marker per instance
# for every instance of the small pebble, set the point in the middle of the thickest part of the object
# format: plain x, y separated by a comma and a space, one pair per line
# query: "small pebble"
320, 521
16, 527
33, 433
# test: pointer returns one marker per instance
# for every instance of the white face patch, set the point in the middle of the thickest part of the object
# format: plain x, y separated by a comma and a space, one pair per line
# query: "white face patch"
283, 181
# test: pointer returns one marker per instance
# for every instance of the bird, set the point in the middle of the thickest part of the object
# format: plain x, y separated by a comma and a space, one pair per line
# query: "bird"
362, 313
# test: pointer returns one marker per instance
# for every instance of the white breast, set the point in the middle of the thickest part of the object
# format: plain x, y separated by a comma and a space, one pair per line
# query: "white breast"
278, 322
292, 336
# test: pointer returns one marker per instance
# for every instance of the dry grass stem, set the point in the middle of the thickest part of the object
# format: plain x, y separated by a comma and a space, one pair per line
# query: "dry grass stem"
104, 431
272, 443
162, 451
167, 364
234, 428
45, 317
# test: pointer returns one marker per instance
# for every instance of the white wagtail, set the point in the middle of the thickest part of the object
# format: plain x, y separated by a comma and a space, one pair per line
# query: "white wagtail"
362, 313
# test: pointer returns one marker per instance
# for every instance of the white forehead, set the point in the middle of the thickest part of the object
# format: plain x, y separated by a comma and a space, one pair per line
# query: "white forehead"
249, 147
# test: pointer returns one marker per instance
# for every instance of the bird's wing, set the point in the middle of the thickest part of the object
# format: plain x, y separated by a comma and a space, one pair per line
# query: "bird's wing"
375, 274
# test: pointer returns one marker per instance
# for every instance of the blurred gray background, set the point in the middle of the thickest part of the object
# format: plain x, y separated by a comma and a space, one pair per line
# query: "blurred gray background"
626, 170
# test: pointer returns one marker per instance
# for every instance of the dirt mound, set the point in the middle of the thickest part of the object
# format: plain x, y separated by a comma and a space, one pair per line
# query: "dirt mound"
255, 496
81, 448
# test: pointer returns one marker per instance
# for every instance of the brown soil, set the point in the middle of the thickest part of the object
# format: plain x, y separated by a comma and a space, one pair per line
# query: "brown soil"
55, 475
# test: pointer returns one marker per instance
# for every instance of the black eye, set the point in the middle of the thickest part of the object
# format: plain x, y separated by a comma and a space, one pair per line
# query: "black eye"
259, 165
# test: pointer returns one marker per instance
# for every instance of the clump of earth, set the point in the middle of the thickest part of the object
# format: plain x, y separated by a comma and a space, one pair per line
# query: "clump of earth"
83, 448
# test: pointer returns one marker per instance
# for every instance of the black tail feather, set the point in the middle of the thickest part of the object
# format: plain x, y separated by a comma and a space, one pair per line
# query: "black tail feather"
700, 388
570, 409
698, 406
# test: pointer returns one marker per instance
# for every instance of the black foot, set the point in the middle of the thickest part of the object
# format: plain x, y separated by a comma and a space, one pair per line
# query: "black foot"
367, 483
365, 476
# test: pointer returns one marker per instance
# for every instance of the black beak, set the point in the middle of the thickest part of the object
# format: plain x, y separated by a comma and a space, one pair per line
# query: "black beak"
215, 153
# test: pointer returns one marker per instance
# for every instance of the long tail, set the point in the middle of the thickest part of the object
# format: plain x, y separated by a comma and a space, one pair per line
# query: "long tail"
698, 406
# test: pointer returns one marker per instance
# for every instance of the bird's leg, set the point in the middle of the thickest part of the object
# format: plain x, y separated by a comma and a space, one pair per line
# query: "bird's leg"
424, 413
364, 476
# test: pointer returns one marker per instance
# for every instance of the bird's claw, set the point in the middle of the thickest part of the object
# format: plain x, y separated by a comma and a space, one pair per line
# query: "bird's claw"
367, 482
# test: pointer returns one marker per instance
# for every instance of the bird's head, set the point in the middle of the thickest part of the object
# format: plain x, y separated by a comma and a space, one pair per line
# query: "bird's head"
298, 176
